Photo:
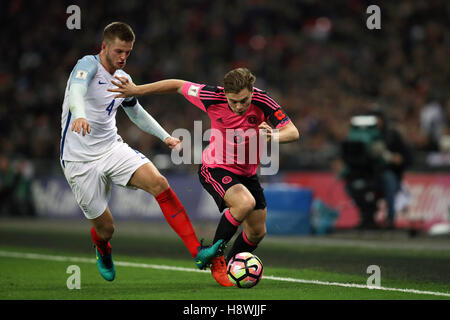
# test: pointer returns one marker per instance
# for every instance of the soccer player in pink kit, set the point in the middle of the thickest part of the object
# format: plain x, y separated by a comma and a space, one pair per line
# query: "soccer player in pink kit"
242, 110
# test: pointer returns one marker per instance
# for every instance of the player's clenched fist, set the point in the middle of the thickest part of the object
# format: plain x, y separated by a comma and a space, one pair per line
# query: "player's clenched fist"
172, 143
81, 125
266, 130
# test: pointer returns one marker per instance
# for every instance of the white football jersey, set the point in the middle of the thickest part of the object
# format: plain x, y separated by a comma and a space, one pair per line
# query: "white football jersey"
100, 109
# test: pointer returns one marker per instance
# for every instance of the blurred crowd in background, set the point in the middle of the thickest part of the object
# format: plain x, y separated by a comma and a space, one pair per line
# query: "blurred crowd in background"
317, 58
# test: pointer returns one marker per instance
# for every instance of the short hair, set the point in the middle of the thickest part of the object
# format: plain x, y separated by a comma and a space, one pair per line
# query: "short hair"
238, 79
119, 30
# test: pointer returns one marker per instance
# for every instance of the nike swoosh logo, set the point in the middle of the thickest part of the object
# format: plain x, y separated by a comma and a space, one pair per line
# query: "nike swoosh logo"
177, 213
99, 82
254, 267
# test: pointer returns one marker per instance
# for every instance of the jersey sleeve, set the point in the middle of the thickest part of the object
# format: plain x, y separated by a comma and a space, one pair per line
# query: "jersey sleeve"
129, 102
84, 70
278, 118
272, 110
203, 95
191, 91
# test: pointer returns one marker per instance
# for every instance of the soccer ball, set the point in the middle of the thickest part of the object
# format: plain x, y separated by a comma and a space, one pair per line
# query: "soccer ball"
245, 270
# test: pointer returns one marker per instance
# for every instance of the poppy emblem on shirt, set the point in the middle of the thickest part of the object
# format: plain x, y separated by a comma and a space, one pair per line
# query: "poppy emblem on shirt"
279, 114
226, 179
193, 90
81, 74
252, 119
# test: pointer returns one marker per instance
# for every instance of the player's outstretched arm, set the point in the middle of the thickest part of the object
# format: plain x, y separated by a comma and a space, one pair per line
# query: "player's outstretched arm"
146, 122
126, 88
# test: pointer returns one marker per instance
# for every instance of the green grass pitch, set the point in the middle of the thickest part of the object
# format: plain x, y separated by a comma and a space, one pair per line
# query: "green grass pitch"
41, 277
156, 268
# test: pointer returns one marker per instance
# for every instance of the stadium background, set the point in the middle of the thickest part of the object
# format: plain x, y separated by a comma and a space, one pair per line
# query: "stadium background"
316, 58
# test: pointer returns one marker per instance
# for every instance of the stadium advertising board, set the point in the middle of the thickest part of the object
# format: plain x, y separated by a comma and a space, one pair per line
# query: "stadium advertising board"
429, 202
428, 205
52, 197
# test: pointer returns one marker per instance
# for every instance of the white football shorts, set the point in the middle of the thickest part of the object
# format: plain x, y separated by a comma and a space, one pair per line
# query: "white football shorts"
91, 181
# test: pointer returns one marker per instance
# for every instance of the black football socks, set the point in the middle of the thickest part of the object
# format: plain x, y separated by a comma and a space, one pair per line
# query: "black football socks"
241, 244
227, 227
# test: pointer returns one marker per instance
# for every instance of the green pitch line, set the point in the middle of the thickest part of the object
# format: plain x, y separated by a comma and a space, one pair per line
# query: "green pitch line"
46, 257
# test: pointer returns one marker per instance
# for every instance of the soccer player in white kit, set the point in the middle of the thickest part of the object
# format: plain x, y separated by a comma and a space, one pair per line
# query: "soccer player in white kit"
93, 155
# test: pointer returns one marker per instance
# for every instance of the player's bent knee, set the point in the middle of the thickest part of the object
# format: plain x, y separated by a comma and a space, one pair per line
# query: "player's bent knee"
243, 208
106, 232
162, 182
247, 204
159, 185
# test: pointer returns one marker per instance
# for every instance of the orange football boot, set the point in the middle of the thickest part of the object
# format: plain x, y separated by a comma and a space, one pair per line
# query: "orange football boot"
219, 271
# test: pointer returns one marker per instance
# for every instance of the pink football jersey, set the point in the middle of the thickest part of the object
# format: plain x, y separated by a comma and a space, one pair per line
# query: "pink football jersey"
235, 143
